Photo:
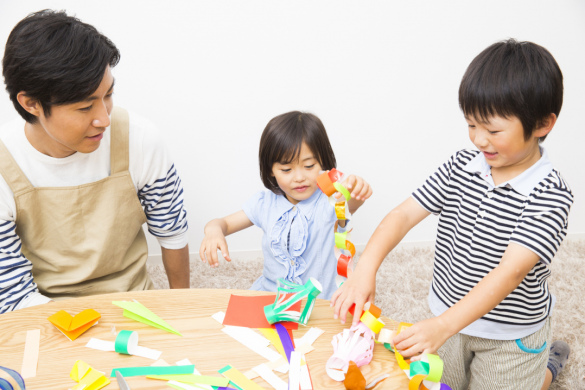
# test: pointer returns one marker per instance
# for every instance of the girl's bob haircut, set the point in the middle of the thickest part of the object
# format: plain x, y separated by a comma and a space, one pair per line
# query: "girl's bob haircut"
282, 139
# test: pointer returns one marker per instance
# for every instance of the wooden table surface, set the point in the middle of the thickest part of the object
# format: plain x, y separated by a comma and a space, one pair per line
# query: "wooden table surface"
203, 343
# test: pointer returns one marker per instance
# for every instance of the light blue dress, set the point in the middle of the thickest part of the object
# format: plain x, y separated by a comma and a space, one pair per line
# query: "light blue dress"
298, 240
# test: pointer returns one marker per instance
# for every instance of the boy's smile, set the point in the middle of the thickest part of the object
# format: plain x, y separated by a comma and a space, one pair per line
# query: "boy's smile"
298, 179
502, 142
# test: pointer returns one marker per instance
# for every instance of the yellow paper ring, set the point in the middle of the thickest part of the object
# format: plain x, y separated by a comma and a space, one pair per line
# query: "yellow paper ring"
375, 324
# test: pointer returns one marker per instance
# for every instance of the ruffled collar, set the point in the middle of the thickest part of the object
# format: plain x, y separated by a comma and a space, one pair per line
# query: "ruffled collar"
290, 233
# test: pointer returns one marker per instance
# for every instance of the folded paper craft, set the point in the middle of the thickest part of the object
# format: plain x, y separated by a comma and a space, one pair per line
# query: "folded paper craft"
355, 344
287, 295
87, 377
74, 326
138, 312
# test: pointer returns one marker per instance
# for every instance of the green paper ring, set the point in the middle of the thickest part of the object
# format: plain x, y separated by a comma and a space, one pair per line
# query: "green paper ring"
346, 194
126, 340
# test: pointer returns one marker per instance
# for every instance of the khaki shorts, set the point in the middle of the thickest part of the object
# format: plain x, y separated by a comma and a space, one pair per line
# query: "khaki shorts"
477, 364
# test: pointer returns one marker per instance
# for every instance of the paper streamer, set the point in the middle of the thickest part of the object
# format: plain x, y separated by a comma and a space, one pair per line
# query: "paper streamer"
10, 379
126, 343
355, 344
30, 358
153, 370
87, 377
287, 295
238, 378
269, 376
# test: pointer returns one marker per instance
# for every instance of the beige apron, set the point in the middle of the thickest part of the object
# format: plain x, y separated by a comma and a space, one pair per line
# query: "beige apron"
87, 239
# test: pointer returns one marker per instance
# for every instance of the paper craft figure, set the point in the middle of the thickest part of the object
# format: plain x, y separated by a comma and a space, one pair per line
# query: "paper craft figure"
287, 295
73, 327
10, 379
355, 344
138, 312
88, 378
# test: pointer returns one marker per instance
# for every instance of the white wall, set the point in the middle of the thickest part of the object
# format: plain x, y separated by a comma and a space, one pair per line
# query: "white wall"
383, 76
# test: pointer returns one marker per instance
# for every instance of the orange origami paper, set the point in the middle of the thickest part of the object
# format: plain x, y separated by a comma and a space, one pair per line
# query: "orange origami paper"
73, 327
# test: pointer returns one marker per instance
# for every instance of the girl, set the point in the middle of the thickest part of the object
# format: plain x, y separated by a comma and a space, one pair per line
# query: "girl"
295, 215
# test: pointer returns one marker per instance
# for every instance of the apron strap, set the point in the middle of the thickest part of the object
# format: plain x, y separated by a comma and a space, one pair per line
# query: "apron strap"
13, 175
119, 141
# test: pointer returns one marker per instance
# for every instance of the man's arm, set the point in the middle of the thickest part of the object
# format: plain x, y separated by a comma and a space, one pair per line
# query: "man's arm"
429, 335
176, 262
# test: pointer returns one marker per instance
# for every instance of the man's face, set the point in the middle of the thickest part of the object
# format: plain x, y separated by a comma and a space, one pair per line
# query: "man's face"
76, 127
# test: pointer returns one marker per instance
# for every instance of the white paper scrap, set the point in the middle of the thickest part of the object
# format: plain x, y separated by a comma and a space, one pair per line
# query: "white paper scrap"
109, 346
269, 376
294, 370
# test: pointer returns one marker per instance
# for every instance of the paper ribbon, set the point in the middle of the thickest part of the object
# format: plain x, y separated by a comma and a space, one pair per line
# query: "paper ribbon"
87, 377
10, 379
126, 343
287, 294
355, 344
74, 326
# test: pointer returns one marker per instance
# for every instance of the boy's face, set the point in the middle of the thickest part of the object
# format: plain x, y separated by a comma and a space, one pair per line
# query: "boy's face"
298, 179
502, 142
76, 127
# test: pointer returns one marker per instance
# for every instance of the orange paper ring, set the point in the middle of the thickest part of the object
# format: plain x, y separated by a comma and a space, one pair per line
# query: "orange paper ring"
374, 310
350, 247
343, 265
325, 184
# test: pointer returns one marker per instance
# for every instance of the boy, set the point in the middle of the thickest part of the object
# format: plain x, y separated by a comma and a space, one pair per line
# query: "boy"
74, 192
503, 213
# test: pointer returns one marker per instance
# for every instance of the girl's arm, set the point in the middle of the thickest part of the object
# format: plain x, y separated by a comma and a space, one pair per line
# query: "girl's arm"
429, 335
360, 287
215, 232
360, 191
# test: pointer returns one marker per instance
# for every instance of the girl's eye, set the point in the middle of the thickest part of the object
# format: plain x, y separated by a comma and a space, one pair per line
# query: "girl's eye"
493, 132
471, 126
85, 109
309, 166
285, 169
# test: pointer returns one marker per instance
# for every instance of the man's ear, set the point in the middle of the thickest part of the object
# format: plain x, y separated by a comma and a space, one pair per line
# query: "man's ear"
545, 126
32, 106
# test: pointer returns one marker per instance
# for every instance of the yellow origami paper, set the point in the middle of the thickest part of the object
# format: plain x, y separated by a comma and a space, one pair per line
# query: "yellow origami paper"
73, 327
88, 378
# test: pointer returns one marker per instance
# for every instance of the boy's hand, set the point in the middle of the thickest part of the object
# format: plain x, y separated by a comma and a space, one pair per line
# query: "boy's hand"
358, 289
213, 240
426, 336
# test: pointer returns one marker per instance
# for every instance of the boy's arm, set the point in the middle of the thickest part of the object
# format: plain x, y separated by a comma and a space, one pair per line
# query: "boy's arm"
360, 287
176, 262
429, 335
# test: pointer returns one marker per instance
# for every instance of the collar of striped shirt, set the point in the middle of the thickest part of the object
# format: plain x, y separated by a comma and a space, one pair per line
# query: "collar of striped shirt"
523, 183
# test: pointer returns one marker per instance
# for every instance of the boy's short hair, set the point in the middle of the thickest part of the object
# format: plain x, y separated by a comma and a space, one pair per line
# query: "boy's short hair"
55, 59
282, 139
512, 78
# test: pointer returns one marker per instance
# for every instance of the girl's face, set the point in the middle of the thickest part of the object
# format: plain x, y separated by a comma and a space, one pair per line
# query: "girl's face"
298, 179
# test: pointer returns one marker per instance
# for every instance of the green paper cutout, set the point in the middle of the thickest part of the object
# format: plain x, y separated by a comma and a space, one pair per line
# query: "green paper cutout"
154, 370
138, 312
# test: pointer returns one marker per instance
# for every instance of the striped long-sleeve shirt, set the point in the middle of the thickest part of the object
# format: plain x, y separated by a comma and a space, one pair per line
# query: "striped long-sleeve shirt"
158, 187
477, 221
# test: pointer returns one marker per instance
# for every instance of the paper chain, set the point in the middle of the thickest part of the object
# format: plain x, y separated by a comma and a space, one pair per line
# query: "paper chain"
330, 182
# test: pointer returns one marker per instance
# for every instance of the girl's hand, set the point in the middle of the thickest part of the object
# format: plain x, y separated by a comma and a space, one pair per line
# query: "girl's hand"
358, 289
426, 336
358, 187
214, 239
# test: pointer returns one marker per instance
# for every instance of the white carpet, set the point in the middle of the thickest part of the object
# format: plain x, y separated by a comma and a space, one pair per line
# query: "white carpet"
403, 283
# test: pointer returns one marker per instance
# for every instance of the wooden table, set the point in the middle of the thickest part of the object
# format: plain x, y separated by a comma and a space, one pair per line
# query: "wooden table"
203, 343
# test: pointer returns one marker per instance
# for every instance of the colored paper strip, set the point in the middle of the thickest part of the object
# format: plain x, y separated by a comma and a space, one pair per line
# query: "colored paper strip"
192, 379
30, 358
239, 379
153, 370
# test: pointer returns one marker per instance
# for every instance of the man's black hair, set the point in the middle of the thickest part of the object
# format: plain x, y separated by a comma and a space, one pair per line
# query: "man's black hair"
55, 59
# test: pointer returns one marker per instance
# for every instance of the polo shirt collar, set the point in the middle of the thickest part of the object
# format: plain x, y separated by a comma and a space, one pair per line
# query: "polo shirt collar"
523, 183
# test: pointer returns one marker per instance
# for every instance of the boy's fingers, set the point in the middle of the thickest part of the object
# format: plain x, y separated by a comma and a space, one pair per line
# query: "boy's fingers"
202, 254
224, 251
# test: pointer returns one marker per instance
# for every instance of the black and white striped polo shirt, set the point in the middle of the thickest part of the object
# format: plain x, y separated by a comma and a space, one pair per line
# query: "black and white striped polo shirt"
478, 220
